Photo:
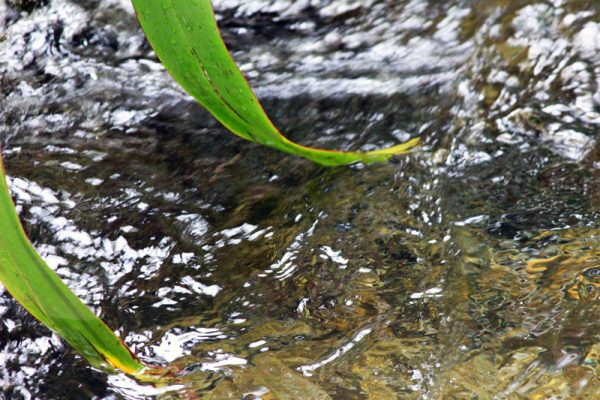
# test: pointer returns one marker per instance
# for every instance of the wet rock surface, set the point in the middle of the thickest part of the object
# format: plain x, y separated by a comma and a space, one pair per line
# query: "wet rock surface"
468, 269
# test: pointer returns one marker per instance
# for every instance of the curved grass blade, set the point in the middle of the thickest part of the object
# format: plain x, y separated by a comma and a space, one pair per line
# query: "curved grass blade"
186, 38
33, 284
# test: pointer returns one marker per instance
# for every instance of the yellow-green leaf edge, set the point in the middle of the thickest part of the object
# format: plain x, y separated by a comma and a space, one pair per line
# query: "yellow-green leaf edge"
39, 289
186, 38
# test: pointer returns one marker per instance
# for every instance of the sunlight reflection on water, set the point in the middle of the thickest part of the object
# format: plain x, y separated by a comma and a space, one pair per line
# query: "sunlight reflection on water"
466, 269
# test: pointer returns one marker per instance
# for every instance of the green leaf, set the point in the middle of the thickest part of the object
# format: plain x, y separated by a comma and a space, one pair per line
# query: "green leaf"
186, 38
37, 287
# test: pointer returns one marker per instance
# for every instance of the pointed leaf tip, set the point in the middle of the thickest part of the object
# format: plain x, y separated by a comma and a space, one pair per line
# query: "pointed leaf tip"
186, 38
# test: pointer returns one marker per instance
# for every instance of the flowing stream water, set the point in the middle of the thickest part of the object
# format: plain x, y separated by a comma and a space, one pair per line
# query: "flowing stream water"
467, 270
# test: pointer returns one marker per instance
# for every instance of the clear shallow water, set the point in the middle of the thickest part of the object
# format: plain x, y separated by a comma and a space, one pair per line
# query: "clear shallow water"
467, 270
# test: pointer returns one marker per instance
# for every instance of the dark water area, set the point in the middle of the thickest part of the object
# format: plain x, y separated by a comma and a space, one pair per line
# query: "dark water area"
469, 269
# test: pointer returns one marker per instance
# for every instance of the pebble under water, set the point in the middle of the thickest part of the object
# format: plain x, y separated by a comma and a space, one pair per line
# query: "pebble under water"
467, 270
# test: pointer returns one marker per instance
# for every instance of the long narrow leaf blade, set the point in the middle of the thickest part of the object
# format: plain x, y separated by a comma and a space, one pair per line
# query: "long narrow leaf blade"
37, 287
186, 38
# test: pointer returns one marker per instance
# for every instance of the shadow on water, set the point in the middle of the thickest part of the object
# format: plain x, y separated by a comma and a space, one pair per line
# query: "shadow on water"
469, 269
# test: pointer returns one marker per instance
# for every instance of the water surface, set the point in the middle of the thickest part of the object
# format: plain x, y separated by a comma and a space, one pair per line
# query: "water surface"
470, 269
